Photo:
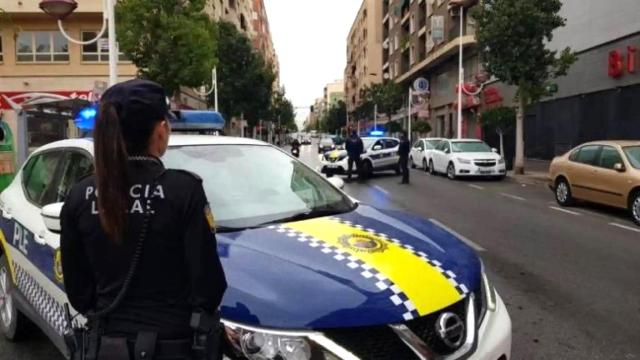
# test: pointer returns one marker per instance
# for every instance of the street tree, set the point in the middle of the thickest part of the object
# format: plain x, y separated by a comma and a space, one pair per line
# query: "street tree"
513, 35
245, 80
388, 97
393, 127
336, 118
502, 119
171, 42
282, 111
421, 127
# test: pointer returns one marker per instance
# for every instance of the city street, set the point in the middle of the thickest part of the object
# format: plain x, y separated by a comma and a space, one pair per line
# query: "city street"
569, 277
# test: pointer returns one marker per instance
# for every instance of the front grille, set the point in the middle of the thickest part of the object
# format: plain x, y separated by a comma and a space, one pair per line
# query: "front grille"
372, 343
485, 163
425, 328
382, 343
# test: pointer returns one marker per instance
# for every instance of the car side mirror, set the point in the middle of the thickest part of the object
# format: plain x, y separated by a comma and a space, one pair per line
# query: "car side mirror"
377, 147
447, 151
51, 216
337, 182
494, 150
619, 167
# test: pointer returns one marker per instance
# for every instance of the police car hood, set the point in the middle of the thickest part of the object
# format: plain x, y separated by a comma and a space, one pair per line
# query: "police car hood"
366, 267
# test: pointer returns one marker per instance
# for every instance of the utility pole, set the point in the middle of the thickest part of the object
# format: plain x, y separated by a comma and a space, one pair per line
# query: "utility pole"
375, 117
409, 105
461, 73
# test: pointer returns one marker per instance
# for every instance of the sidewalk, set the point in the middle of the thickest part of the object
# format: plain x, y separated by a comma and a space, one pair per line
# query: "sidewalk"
536, 172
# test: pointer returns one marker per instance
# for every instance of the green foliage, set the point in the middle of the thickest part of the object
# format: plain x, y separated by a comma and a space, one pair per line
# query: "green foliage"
335, 118
393, 127
513, 34
501, 118
170, 41
421, 127
389, 97
245, 81
281, 109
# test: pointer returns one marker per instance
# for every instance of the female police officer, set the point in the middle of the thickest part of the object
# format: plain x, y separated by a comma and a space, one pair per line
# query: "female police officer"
138, 239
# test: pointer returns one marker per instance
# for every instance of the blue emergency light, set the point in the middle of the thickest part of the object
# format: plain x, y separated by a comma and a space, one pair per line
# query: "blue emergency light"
197, 120
376, 133
86, 118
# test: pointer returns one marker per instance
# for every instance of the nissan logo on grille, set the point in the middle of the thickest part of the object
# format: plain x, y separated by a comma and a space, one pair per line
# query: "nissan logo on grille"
450, 329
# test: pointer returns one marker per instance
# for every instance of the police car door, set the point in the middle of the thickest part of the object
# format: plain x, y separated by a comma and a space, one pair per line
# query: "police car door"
391, 147
377, 154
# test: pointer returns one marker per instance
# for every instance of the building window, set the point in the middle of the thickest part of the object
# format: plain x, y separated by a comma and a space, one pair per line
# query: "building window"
232, 4
42, 46
99, 50
1, 52
243, 23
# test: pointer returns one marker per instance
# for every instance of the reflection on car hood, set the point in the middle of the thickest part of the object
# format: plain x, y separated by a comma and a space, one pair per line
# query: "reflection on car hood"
361, 268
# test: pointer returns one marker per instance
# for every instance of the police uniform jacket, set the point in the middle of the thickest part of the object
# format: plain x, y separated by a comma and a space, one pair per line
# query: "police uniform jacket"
179, 269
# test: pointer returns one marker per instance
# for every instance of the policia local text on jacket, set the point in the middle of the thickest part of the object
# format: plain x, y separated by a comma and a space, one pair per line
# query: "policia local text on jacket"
178, 271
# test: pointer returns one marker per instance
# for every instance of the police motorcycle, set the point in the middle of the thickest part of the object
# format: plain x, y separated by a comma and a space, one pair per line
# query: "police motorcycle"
295, 148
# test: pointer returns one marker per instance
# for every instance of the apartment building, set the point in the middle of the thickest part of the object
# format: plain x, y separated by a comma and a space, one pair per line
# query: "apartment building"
421, 39
237, 12
364, 44
262, 40
333, 93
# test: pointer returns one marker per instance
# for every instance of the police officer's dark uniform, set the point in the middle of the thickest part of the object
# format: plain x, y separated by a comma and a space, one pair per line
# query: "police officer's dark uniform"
403, 152
178, 272
355, 148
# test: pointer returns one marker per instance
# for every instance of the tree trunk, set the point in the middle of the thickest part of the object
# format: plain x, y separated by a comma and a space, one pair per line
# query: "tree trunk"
519, 162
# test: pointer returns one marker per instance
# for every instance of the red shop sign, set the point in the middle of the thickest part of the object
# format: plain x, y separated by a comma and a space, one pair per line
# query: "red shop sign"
19, 97
617, 61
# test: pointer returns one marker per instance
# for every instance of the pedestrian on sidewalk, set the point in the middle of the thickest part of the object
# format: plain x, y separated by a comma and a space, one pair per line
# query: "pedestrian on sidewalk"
355, 148
403, 152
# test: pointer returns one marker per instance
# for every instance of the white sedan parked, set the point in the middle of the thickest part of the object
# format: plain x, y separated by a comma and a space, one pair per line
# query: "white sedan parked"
422, 151
467, 157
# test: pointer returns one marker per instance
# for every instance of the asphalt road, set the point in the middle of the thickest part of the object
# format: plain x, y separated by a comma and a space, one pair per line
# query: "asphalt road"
570, 277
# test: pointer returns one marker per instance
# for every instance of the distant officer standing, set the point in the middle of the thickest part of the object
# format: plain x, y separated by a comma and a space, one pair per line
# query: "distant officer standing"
355, 148
403, 152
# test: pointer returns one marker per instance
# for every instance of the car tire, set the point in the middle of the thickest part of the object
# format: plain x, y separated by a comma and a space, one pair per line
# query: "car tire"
413, 164
367, 169
634, 206
562, 191
432, 170
451, 171
425, 167
12, 322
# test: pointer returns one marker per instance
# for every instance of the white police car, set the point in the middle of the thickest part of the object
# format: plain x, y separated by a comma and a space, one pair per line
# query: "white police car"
380, 154
312, 274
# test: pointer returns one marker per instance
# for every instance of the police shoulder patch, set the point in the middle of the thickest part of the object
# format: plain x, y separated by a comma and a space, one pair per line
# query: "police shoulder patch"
208, 214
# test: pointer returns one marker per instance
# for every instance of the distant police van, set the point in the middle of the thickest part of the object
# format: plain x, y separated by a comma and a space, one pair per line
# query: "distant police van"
312, 273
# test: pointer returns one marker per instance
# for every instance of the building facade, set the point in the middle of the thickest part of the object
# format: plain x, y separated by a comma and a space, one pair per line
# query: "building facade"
421, 39
364, 44
600, 96
237, 12
262, 40
333, 93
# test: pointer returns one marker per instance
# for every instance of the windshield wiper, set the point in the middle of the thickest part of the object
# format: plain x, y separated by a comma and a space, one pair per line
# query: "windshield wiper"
228, 229
306, 215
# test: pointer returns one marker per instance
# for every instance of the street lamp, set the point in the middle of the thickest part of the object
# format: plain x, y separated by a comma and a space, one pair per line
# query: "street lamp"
461, 4
60, 9
214, 88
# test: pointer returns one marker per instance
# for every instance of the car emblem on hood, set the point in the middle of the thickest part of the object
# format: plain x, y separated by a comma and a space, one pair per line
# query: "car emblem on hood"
363, 243
450, 329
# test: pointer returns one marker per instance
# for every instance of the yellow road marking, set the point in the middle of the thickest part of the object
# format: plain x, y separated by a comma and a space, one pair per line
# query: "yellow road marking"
424, 285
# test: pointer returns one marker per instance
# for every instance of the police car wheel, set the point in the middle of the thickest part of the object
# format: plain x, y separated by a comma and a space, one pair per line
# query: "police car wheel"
12, 322
367, 169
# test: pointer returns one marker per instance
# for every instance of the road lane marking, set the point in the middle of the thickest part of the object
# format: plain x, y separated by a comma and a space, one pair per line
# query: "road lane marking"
515, 197
462, 238
625, 227
565, 210
381, 189
476, 187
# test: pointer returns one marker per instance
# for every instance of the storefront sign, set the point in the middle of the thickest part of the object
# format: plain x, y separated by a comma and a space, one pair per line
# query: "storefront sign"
617, 61
492, 96
24, 96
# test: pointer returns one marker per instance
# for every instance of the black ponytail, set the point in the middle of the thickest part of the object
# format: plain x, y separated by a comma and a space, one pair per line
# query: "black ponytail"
111, 158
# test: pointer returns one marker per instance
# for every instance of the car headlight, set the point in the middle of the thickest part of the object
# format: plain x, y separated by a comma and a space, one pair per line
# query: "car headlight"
463, 161
501, 161
333, 146
260, 344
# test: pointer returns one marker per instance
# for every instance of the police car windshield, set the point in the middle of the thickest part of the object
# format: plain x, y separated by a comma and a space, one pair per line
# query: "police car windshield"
251, 185
367, 142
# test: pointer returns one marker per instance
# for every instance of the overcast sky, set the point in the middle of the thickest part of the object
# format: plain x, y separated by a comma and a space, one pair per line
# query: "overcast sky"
310, 37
